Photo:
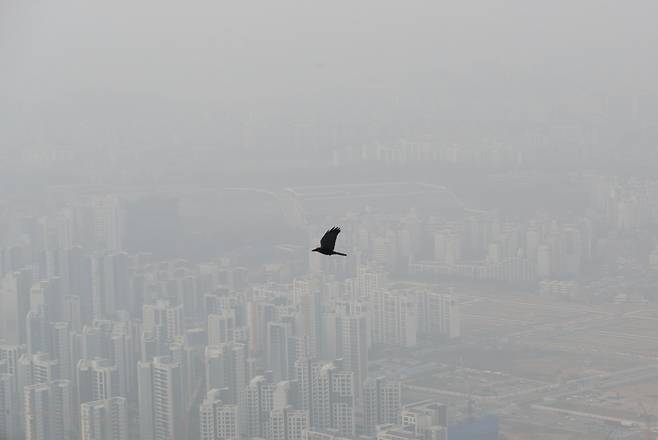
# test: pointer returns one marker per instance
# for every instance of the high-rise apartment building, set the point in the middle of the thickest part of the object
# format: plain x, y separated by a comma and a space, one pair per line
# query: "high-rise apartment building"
351, 342
438, 314
106, 222
221, 327
9, 411
161, 407
381, 402
283, 348
226, 367
15, 300
49, 411
287, 424
104, 419
97, 379
218, 421
327, 392
258, 405
163, 320
393, 318
60, 348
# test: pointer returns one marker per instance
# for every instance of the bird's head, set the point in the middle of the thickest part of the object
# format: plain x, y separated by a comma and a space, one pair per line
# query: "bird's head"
317, 249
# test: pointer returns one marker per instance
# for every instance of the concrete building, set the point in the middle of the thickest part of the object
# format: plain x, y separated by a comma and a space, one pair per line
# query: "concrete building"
161, 406
49, 411
381, 403
104, 419
218, 421
328, 394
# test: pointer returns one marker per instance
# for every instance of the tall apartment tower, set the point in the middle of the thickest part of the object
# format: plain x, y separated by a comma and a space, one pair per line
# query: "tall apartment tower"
259, 314
308, 316
15, 299
226, 367
10, 354
123, 356
60, 348
352, 344
258, 404
218, 421
394, 320
438, 314
221, 327
107, 227
327, 392
36, 324
49, 411
163, 320
104, 419
9, 426
287, 424
381, 403
37, 368
283, 349
97, 379
34, 369
161, 412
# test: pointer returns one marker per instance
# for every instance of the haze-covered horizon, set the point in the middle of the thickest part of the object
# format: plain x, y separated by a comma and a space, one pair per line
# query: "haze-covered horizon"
166, 73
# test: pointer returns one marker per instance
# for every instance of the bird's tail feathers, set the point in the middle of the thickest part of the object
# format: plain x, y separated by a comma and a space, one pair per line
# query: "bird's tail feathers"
340, 253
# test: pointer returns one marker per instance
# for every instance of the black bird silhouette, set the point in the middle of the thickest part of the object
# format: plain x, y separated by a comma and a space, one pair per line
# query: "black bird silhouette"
328, 242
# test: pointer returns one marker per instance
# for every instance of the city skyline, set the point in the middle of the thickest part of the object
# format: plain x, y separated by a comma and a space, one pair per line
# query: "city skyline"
168, 170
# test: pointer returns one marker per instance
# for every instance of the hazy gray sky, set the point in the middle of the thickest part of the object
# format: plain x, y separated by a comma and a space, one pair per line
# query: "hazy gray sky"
74, 65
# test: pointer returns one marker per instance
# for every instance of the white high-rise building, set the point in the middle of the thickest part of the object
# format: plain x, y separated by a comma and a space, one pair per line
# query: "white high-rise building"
104, 419
287, 424
49, 411
327, 392
286, 393
544, 262
161, 411
393, 318
34, 369
123, 356
308, 317
97, 379
351, 342
226, 367
368, 282
163, 320
61, 348
107, 227
37, 368
9, 412
447, 246
221, 327
381, 402
36, 324
218, 421
15, 300
438, 314
10, 354
207, 416
297, 421
282, 349
258, 404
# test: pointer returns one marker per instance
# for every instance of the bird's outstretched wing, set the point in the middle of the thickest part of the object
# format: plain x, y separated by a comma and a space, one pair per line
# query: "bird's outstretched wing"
329, 239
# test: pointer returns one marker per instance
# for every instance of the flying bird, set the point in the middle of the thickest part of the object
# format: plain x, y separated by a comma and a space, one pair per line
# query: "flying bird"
328, 242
